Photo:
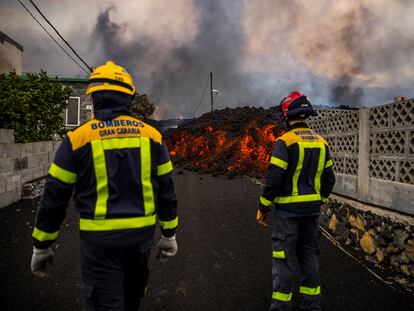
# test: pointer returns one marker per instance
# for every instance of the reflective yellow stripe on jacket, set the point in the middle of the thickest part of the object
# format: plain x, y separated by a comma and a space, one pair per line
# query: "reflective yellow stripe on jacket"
321, 167
147, 191
296, 197
116, 223
265, 201
102, 192
61, 174
164, 168
100, 222
299, 166
43, 236
278, 162
170, 224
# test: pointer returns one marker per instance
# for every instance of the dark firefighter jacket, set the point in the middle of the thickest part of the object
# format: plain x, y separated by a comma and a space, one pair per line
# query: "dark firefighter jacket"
120, 170
300, 176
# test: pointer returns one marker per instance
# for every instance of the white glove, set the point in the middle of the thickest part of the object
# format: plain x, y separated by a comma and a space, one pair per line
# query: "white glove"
40, 260
166, 247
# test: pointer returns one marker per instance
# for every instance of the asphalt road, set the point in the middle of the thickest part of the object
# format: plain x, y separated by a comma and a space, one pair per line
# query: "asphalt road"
224, 259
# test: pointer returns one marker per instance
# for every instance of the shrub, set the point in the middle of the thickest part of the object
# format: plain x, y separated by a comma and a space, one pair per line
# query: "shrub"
32, 106
142, 107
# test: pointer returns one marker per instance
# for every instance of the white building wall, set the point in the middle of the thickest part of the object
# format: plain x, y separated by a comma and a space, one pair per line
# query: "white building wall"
10, 56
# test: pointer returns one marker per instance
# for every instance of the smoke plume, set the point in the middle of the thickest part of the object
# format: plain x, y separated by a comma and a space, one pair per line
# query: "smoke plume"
259, 51
342, 93
178, 78
349, 52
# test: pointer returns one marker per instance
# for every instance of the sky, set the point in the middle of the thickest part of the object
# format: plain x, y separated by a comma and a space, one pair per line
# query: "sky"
343, 52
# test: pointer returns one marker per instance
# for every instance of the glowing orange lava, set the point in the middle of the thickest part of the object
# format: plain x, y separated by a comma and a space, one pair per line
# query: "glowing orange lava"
215, 150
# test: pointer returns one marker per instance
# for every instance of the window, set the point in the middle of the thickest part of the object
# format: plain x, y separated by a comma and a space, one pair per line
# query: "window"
72, 113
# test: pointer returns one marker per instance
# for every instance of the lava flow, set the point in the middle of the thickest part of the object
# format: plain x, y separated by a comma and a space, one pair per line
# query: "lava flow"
235, 141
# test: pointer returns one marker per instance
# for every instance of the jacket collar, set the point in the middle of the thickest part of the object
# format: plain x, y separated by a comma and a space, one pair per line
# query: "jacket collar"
109, 105
297, 125
109, 113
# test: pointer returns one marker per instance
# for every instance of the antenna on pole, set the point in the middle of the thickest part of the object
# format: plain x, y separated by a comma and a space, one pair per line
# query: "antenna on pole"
211, 91
215, 95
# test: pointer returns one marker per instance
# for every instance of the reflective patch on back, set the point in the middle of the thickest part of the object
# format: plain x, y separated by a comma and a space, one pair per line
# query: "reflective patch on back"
299, 135
120, 127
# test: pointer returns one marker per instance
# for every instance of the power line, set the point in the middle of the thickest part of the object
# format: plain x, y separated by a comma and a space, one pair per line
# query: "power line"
53, 38
202, 97
67, 43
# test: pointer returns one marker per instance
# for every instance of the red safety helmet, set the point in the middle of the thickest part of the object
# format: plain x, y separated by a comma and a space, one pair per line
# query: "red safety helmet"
296, 105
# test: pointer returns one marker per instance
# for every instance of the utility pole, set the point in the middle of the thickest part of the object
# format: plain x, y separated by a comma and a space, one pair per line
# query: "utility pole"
211, 91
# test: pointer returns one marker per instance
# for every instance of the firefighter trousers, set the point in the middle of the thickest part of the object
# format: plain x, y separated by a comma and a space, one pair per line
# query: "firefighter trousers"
300, 237
113, 278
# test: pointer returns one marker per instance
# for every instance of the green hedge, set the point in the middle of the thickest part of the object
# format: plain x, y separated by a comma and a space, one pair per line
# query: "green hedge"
33, 107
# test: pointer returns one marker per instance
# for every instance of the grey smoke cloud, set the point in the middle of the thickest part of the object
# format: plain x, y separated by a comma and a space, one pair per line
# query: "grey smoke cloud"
179, 77
354, 52
359, 51
342, 93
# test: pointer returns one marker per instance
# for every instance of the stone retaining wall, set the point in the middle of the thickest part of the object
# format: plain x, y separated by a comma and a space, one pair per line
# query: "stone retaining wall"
21, 163
386, 241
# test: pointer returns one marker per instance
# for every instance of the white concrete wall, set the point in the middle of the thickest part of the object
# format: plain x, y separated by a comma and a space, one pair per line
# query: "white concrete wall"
10, 58
21, 163
393, 195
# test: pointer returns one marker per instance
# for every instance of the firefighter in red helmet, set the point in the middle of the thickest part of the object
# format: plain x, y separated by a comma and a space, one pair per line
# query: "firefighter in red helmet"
298, 180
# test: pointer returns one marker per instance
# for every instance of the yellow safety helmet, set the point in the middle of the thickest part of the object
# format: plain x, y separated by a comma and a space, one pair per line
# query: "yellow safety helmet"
110, 77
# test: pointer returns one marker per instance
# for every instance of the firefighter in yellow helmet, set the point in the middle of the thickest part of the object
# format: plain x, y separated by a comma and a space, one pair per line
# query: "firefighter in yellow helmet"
111, 77
120, 170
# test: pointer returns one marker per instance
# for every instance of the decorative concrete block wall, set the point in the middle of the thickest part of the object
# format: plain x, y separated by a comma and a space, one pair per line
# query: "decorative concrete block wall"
391, 142
21, 163
373, 152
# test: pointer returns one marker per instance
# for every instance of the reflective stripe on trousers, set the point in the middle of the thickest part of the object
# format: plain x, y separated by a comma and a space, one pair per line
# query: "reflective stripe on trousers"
300, 235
